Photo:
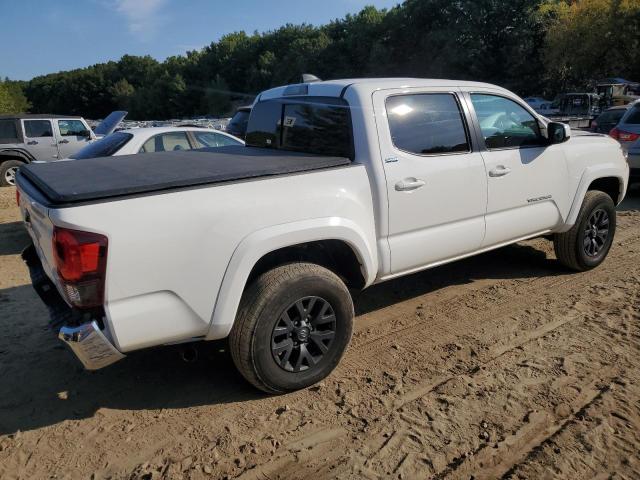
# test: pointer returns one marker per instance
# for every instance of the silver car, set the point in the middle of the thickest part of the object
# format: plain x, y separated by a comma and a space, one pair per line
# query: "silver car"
25, 138
628, 129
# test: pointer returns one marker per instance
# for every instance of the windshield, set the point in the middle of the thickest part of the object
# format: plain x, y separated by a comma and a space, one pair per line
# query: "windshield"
303, 124
105, 147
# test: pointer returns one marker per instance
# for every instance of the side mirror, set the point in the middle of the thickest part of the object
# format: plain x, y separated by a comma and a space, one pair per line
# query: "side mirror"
85, 133
558, 132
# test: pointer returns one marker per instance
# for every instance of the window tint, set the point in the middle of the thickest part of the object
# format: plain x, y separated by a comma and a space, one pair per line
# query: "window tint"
212, 139
634, 116
37, 128
311, 124
611, 116
8, 130
105, 147
504, 123
166, 142
71, 128
427, 123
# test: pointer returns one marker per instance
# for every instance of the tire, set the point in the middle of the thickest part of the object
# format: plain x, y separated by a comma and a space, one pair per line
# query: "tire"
571, 247
266, 344
8, 171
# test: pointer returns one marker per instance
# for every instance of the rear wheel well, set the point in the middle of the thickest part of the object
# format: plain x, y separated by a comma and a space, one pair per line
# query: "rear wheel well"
334, 255
608, 185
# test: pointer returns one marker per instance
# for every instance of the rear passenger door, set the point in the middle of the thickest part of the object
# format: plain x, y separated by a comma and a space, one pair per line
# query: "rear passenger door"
39, 139
436, 182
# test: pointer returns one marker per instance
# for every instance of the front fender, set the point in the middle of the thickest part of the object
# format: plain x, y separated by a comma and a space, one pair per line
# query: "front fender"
254, 246
590, 174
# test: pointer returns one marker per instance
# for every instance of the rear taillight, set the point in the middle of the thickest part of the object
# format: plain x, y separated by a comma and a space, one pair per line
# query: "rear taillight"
623, 136
81, 261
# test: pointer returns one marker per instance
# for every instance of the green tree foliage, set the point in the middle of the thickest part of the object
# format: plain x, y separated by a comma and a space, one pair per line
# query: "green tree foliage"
591, 39
530, 46
12, 99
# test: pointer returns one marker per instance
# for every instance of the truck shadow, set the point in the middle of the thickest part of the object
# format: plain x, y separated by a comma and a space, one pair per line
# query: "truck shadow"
44, 385
14, 238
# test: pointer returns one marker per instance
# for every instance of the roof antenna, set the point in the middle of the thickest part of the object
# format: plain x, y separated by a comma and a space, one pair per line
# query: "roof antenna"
308, 78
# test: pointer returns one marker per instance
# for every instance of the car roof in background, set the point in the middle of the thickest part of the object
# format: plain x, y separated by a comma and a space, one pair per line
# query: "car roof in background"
166, 129
36, 116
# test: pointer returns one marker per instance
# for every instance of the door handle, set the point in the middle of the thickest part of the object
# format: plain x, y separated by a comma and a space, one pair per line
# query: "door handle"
499, 171
409, 184
64, 141
32, 142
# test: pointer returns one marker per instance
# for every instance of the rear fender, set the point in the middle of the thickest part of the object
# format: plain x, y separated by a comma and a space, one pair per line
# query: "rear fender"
253, 247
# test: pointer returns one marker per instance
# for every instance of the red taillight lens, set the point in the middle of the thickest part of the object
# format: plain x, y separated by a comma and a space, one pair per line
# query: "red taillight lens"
81, 260
623, 136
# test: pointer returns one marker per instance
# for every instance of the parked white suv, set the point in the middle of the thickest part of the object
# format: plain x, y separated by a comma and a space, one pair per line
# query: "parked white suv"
342, 184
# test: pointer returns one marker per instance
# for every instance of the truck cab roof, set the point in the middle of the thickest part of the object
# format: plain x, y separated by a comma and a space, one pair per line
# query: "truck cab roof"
338, 88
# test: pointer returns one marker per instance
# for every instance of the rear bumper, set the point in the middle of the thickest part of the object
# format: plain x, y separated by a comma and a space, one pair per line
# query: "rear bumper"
78, 329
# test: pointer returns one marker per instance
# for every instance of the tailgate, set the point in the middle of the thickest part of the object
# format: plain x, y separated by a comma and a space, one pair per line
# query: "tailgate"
36, 220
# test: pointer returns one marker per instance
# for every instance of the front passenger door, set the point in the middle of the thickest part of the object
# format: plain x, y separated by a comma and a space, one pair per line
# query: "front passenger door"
527, 178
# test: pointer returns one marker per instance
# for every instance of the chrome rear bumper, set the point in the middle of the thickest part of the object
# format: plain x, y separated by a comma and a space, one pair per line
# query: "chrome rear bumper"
90, 345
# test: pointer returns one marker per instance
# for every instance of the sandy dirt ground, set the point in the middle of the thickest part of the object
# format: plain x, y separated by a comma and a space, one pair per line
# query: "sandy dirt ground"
501, 366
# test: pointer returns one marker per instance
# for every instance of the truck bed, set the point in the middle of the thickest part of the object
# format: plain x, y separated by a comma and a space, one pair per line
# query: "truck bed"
74, 181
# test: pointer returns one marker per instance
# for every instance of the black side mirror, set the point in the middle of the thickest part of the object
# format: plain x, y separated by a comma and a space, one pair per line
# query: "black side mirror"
558, 132
85, 133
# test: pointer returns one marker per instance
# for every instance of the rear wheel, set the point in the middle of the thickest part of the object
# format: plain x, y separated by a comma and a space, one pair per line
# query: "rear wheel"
588, 242
8, 170
292, 328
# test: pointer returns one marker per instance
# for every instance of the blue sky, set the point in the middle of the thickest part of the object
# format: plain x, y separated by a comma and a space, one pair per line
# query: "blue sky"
43, 36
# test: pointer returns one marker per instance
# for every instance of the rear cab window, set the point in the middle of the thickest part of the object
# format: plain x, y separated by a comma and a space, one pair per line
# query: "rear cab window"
427, 124
320, 125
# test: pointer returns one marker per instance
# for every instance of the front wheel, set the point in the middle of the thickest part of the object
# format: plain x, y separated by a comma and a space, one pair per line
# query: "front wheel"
8, 171
588, 242
293, 326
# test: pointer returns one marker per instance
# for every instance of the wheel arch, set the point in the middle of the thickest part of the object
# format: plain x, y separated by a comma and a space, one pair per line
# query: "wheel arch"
607, 178
331, 242
15, 154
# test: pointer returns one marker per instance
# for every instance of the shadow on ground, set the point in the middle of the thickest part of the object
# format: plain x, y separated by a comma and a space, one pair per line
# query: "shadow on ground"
36, 369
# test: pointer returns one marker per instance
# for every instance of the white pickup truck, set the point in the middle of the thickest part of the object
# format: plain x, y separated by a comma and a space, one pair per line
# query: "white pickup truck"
342, 184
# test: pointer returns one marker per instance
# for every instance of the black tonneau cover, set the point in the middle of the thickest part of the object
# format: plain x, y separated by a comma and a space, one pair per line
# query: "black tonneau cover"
98, 178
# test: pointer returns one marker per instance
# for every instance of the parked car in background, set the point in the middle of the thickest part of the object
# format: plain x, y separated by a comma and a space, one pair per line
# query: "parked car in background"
238, 124
536, 102
342, 184
634, 161
156, 139
25, 138
608, 119
628, 129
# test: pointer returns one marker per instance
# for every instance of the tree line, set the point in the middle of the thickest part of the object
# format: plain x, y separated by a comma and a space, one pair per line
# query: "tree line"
539, 47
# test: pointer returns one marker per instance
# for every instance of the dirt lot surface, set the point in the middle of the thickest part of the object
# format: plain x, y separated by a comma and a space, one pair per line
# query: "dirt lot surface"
504, 365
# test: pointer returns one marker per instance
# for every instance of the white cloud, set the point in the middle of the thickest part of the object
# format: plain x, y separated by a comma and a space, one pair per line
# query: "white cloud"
143, 16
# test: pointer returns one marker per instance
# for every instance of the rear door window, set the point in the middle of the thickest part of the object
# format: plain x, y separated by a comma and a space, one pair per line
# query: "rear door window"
8, 131
427, 124
167, 142
38, 128
212, 139
633, 117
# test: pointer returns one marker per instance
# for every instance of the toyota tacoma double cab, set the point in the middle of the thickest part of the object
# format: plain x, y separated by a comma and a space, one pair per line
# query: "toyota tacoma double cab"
341, 185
